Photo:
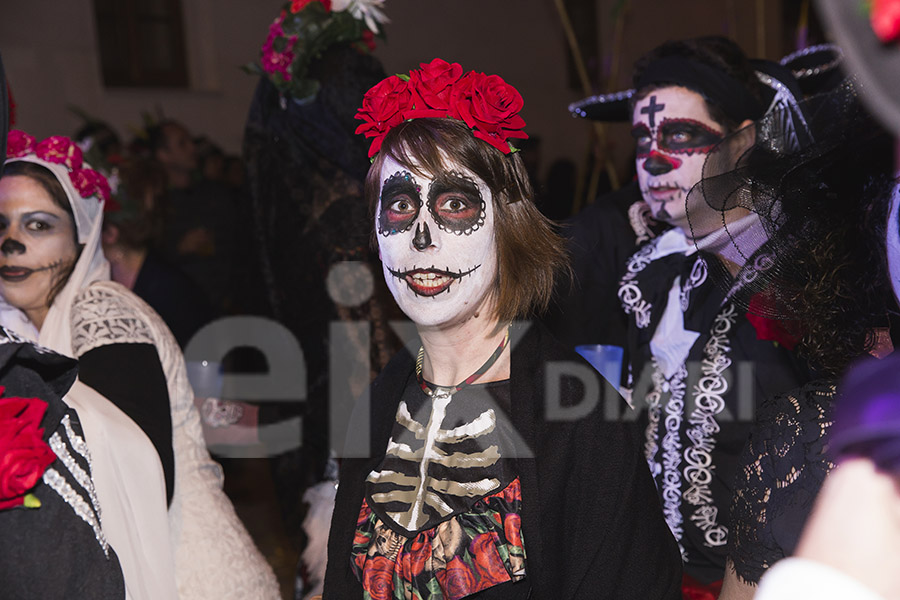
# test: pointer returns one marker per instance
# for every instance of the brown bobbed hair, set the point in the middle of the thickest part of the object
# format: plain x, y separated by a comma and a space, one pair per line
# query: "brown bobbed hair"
531, 254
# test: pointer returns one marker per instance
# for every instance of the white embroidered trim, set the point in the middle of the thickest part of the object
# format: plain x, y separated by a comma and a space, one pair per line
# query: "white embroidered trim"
84, 480
58, 483
76, 440
696, 279
708, 403
629, 293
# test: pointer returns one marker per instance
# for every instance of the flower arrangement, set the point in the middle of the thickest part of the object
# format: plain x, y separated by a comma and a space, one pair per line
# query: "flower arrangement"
486, 103
24, 455
60, 150
304, 30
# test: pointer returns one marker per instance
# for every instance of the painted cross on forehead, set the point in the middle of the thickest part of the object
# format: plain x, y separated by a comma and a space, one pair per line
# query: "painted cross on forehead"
673, 136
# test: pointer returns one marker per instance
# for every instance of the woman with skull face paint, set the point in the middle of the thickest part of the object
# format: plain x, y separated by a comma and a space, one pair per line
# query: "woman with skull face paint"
132, 396
471, 484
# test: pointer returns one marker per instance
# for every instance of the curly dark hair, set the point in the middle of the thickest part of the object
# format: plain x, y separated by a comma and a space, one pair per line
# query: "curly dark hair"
846, 291
715, 51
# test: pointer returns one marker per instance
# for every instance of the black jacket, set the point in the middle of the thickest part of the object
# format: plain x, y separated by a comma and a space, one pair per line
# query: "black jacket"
591, 519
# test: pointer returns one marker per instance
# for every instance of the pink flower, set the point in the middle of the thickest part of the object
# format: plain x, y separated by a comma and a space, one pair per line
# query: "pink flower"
885, 19
19, 144
24, 455
298, 5
89, 183
60, 150
383, 108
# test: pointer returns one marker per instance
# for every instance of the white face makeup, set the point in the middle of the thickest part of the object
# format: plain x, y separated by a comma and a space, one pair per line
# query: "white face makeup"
37, 244
436, 241
674, 133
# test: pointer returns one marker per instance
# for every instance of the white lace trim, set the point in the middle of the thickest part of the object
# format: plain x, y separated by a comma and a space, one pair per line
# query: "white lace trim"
100, 317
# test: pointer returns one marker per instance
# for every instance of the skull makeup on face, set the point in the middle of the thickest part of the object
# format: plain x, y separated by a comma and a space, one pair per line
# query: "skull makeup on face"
673, 133
436, 240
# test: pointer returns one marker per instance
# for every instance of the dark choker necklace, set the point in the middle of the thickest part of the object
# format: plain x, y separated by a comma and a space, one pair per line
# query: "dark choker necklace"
449, 391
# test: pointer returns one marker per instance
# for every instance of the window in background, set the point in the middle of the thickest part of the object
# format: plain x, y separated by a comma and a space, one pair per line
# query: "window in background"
141, 43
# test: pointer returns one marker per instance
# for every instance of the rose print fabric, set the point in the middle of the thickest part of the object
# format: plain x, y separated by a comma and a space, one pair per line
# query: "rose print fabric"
466, 554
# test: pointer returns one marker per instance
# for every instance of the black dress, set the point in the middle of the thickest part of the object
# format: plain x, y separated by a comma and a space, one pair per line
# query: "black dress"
780, 473
590, 516
57, 550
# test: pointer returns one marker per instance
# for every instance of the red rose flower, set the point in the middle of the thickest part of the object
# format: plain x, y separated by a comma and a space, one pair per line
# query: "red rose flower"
19, 143
364, 512
431, 86
488, 563
298, 5
513, 492
383, 108
89, 183
368, 38
885, 19
24, 455
361, 538
60, 150
413, 562
378, 578
512, 529
783, 331
457, 580
491, 107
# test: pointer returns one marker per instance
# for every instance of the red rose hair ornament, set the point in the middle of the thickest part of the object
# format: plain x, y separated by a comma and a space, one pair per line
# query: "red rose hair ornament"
488, 105
59, 150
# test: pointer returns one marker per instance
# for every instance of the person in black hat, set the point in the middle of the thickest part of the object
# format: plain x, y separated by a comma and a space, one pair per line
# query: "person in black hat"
693, 360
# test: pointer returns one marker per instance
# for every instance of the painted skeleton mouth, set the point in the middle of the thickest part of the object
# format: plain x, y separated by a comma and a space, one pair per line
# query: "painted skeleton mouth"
663, 193
15, 273
431, 281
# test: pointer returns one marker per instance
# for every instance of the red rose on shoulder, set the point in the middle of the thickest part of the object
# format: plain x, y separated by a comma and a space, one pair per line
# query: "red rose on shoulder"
24, 455
60, 150
457, 580
488, 563
431, 86
782, 331
512, 529
383, 107
378, 578
19, 143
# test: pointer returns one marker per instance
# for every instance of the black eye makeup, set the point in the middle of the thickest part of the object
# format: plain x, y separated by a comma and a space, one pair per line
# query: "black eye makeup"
455, 202
687, 136
400, 203
642, 139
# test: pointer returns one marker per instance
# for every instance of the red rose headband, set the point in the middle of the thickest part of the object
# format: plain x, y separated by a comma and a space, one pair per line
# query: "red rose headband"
86, 189
60, 150
485, 103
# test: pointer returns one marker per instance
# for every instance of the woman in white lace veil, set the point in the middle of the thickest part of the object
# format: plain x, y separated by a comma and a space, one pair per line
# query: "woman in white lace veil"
132, 378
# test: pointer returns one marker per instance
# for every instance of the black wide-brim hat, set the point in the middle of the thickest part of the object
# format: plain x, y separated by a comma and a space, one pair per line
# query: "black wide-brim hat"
805, 72
874, 64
